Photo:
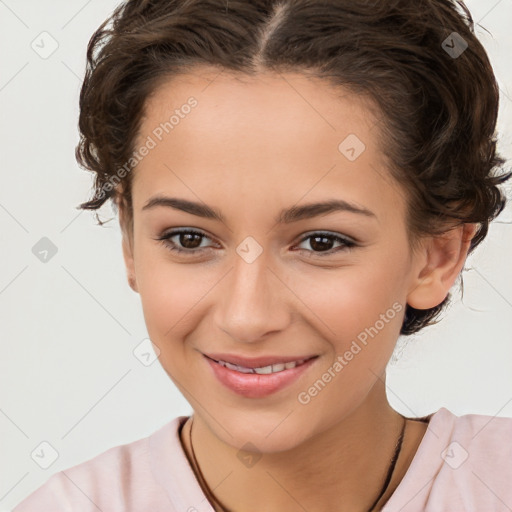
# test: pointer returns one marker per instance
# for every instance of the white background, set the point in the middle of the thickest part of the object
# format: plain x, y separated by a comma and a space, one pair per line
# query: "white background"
68, 327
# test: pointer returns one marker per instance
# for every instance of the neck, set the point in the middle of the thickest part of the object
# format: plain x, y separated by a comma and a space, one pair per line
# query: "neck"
346, 465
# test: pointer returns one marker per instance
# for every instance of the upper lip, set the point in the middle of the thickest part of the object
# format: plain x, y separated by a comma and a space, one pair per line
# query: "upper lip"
256, 362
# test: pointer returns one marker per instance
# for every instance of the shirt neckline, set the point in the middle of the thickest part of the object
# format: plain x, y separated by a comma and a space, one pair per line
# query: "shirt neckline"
185, 493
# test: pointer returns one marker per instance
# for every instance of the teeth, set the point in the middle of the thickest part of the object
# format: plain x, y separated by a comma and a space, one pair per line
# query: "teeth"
263, 370
235, 367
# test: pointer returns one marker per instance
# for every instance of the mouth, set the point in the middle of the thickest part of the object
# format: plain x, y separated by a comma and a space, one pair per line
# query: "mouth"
257, 378
262, 369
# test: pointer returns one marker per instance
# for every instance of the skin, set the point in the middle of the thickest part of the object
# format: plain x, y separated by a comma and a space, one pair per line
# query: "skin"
251, 148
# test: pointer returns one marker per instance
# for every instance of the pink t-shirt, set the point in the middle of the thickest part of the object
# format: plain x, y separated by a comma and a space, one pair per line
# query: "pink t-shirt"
463, 464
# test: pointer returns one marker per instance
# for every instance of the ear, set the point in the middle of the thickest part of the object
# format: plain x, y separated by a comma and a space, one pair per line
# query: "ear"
127, 246
441, 261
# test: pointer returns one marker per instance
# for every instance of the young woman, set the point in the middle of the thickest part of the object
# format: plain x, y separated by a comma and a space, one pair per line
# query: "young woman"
298, 183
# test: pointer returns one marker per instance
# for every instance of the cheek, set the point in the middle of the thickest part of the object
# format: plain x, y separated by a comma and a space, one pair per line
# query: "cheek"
172, 295
348, 300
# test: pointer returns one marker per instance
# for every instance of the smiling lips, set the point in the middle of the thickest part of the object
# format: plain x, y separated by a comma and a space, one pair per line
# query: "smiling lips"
262, 370
261, 365
259, 377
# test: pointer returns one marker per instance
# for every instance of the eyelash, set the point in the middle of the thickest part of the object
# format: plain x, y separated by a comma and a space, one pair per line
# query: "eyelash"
171, 246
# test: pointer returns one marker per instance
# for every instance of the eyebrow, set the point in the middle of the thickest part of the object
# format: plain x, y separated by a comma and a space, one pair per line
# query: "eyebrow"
286, 216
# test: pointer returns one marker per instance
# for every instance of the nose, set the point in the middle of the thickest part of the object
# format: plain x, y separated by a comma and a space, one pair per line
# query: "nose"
254, 301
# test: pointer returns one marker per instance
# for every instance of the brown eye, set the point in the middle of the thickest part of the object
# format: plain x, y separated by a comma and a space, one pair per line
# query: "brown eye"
322, 243
186, 241
189, 240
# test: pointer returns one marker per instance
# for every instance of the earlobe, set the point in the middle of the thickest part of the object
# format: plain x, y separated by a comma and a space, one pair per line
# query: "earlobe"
133, 283
443, 258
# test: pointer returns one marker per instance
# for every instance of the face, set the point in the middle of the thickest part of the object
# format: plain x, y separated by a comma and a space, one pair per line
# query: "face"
269, 280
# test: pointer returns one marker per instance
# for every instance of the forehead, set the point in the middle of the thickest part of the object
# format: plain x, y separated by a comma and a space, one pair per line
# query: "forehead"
287, 132
297, 102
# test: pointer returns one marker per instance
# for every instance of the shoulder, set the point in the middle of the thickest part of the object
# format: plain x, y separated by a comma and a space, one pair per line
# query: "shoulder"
120, 475
463, 463
482, 440
476, 462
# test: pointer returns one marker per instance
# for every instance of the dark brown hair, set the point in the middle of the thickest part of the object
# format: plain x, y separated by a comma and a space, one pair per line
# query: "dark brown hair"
438, 98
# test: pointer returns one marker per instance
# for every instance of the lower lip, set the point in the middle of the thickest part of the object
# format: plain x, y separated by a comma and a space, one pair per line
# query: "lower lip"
252, 385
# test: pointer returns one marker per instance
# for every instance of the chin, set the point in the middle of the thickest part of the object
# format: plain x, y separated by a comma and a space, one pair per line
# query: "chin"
265, 432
